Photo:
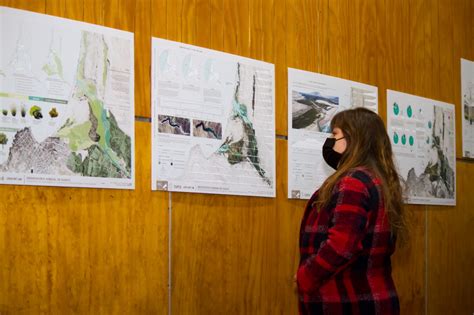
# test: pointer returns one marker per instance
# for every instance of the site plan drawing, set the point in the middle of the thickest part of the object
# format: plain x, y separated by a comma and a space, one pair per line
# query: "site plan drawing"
67, 102
213, 121
423, 138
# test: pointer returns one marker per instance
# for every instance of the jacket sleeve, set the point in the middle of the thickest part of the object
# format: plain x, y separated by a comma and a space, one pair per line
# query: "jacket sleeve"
344, 237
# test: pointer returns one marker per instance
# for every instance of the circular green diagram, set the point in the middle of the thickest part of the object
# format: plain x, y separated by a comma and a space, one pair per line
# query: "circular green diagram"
396, 109
411, 140
430, 124
409, 111
395, 138
404, 139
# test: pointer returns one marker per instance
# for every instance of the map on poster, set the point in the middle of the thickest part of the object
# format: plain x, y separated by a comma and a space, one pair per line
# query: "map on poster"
313, 99
423, 138
213, 125
467, 104
66, 101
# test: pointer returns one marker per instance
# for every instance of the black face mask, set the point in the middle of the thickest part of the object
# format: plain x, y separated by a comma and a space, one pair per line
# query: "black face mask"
330, 156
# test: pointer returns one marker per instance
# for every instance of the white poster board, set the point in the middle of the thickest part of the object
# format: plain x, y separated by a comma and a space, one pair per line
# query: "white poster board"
313, 99
67, 102
423, 136
467, 104
213, 123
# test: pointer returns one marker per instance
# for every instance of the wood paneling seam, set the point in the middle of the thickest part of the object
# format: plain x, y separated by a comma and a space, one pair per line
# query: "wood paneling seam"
426, 260
170, 230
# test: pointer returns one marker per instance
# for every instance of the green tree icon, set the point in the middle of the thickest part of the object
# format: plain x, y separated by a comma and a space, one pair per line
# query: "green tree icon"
3, 139
395, 138
396, 109
409, 111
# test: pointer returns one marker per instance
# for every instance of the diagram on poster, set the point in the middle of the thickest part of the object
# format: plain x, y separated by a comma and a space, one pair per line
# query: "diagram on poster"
467, 101
213, 125
313, 99
66, 96
422, 132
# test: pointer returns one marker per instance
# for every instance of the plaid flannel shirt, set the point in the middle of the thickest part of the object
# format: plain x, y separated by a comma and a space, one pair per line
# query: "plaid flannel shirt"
345, 250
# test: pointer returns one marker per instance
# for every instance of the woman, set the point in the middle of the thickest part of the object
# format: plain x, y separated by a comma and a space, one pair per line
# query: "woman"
351, 223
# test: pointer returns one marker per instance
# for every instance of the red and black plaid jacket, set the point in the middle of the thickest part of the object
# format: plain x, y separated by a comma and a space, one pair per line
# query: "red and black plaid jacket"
345, 251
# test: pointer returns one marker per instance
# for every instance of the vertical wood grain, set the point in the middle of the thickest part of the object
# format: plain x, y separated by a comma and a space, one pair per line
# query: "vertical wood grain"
94, 11
217, 25
66, 8
450, 256
174, 19
279, 34
339, 38
202, 23
93, 251
30, 5
159, 18
236, 27
142, 41
451, 251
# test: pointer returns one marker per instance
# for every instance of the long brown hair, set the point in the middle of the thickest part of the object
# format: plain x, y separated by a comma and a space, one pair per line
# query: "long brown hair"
368, 145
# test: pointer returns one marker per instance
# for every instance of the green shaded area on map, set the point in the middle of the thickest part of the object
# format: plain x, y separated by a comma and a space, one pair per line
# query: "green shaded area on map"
108, 147
245, 149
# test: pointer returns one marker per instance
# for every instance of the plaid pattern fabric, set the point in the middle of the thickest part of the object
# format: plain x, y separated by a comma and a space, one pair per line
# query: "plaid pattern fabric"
345, 251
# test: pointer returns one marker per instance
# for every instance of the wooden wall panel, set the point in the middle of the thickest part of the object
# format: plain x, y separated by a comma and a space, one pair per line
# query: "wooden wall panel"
212, 269
174, 19
446, 44
217, 21
409, 264
66, 8
391, 39
399, 53
90, 251
451, 250
434, 43
462, 48
85, 251
94, 11
339, 38
289, 214
235, 255
202, 22
159, 18
420, 43
382, 56
450, 256
362, 24
119, 14
279, 32
470, 31
256, 36
30, 5
143, 30
236, 27
299, 44
188, 16
320, 18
